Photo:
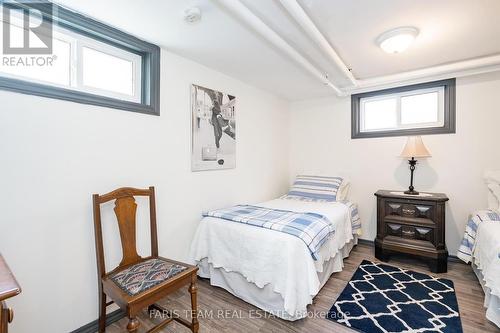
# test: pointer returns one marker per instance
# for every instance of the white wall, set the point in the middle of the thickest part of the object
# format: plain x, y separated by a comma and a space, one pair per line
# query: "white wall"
320, 141
55, 154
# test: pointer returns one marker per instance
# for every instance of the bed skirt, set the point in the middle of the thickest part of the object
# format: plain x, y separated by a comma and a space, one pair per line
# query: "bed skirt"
265, 298
491, 302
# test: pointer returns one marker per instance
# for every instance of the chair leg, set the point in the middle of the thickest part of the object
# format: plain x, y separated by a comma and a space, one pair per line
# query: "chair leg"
193, 288
133, 324
151, 311
102, 312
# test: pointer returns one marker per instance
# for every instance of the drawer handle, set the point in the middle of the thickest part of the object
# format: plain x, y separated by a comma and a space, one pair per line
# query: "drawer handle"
10, 315
395, 227
423, 231
409, 233
423, 209
407, 211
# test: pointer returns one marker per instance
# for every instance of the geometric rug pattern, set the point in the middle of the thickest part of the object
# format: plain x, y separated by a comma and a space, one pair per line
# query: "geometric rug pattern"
384, 298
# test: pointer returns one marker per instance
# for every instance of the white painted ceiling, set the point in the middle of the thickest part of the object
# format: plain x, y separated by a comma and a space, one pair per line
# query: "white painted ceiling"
450, 31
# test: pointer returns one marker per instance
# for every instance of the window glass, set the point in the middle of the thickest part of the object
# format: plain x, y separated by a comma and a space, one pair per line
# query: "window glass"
54, 69
380, 114
420, 109
107, 72
406, 110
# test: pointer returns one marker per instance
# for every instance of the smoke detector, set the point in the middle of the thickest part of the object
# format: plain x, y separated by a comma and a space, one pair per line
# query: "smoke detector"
192, 15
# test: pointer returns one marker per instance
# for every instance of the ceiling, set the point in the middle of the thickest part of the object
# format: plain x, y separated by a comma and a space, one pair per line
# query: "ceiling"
450, 31
233, 42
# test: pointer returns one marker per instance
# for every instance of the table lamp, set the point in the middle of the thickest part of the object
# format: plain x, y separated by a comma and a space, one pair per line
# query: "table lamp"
414, 148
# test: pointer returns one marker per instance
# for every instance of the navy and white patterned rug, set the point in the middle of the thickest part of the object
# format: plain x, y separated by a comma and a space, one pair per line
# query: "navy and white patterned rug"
383, 298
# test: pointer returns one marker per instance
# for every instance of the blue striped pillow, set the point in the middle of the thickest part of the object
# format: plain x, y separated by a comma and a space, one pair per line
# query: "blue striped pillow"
315, 188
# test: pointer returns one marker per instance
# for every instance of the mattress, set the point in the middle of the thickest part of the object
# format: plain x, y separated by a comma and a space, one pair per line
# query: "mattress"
486, 254
266, 298
491, 302
486, 264
272, 260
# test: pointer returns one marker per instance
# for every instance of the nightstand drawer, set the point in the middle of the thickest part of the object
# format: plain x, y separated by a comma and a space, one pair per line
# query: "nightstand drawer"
409, 210
409, 232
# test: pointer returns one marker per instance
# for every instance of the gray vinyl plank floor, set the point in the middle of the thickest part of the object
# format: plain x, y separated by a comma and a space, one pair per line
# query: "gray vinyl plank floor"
222, 312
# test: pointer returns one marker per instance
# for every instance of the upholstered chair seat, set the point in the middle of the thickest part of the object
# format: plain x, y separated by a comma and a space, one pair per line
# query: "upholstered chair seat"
144, 275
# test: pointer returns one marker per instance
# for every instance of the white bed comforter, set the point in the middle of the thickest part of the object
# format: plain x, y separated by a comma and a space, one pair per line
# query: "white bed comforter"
487, 254
265, 256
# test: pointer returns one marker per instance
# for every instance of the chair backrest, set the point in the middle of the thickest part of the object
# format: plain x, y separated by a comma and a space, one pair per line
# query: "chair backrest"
125, 211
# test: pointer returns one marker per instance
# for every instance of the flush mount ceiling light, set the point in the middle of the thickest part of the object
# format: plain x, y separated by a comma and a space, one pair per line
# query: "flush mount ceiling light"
397, 40
192, 15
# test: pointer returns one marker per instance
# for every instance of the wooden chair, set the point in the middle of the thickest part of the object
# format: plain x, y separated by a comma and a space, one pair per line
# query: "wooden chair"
139, 282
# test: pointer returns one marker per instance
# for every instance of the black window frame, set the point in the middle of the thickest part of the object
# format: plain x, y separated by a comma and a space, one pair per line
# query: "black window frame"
448, 127
83, 25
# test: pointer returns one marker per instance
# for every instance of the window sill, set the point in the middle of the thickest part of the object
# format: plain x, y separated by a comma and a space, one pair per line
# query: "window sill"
30, 88
403, 132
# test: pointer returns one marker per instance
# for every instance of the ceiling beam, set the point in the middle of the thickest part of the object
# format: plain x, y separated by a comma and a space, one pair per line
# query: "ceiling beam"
248, 17
305, 22
456, 69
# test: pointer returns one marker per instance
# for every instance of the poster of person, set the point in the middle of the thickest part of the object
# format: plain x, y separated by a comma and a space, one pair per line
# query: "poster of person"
213, 129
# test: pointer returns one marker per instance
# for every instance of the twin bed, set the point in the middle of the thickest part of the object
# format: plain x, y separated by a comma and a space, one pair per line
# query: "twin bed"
481, 247
258, 260
274, 270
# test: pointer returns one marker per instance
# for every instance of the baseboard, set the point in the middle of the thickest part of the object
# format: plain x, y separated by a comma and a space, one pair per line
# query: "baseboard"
93, 327
451, 258
365, 242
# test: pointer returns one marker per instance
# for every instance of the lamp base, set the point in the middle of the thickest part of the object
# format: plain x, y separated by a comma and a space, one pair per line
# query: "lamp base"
411, 189
411, 192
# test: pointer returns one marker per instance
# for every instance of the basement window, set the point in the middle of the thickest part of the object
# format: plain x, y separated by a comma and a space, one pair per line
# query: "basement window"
427, 108
54, 52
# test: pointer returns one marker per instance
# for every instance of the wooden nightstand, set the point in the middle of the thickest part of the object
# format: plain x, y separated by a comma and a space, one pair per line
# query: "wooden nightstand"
412, 224
8, 288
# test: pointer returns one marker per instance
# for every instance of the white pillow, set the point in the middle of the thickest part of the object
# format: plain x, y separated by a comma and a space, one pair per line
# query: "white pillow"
492, 176
492, 179
343, 192
494, 196
318, 188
